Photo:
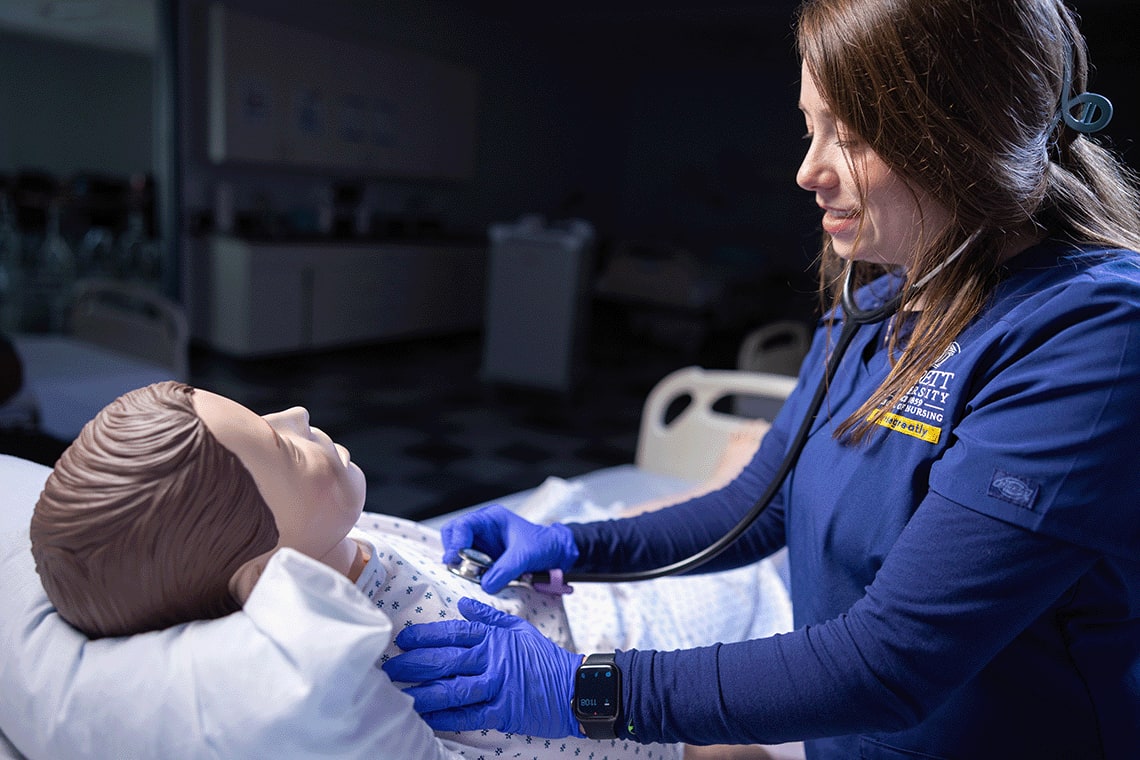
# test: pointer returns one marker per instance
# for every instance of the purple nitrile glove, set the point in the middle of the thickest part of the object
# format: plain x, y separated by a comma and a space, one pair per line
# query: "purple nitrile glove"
492, 670
517, 545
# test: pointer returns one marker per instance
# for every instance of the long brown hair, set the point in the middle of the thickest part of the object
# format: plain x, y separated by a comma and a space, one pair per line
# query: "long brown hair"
145, 517
961, 99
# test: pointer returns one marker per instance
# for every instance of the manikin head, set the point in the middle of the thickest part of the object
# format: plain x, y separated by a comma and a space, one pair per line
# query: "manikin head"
167, 506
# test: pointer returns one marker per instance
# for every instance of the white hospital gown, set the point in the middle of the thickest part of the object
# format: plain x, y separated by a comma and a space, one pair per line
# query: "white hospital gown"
406, 580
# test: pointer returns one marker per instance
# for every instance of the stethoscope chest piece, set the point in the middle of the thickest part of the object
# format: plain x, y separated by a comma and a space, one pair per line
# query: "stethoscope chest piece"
471, 565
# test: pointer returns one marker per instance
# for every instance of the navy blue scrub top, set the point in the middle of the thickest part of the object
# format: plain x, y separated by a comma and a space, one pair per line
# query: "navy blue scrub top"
967, 582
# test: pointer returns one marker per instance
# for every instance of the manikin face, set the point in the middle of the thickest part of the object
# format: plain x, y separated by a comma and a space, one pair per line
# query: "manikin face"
890, 222
313, 489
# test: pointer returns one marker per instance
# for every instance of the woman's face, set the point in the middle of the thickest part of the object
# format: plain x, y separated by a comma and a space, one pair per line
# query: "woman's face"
314, 490
885, 224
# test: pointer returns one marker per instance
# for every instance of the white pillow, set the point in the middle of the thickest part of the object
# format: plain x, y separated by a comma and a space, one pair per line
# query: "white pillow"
248, 685
22, 482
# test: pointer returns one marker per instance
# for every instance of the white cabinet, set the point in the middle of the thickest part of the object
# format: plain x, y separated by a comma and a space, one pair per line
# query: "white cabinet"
254, 299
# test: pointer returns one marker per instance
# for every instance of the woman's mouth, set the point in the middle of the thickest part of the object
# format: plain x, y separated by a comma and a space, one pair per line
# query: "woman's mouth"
837, 222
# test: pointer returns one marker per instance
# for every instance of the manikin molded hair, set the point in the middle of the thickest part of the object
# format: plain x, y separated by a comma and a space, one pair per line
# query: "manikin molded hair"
145, 518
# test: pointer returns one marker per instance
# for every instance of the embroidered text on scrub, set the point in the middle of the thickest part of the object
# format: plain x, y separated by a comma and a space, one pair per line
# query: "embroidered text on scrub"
909, 427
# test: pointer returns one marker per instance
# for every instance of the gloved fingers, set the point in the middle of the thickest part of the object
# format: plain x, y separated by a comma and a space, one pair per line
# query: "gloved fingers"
452, 693
455, 535
500, 574
454, 633
479, 613
482, 529
440, 662
518, 558
466, 719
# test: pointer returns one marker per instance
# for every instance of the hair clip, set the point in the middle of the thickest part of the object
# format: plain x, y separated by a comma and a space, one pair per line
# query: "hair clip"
1096, 109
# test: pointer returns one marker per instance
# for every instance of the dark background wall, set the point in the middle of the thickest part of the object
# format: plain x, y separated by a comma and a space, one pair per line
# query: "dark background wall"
66, 107
671, 123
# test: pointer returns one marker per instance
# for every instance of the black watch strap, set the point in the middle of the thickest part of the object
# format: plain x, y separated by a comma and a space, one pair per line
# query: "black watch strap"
597, 696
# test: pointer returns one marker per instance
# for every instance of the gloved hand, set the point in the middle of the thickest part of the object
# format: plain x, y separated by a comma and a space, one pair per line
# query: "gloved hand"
492, 670
517, 545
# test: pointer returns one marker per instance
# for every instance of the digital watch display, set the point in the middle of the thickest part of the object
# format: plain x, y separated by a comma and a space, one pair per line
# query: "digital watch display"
597, 696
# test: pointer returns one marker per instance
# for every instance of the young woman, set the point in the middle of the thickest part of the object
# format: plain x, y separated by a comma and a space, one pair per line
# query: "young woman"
962, 523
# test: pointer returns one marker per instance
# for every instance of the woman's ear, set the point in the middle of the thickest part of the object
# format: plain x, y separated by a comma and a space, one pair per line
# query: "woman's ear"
245, 577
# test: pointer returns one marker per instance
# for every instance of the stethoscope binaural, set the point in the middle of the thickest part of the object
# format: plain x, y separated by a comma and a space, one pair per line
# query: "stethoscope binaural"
472, 563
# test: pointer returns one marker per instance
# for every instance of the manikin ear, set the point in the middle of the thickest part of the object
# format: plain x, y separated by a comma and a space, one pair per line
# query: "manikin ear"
245, 577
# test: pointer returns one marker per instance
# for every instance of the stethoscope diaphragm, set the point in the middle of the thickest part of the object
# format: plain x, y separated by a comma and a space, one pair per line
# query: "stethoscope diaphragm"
471, 565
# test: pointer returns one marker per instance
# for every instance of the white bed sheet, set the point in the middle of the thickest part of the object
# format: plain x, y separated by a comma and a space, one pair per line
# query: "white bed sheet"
621, 484
22, 481
668, 613
607, 490
71, 379
7, 751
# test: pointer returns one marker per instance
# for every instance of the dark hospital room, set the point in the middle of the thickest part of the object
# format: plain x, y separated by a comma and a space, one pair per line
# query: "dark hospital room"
500, 251
669, 128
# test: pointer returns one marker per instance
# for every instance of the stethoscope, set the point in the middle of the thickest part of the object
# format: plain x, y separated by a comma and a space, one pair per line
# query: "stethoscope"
472, 563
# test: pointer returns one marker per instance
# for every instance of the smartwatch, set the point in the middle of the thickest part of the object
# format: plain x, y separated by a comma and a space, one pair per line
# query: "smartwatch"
597, 696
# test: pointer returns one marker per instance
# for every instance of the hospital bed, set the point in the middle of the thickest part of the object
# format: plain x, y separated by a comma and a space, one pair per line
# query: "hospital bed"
250, 684
117, 336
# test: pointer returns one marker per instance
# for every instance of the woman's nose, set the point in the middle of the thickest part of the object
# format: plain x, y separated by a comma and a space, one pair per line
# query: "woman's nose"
815, 172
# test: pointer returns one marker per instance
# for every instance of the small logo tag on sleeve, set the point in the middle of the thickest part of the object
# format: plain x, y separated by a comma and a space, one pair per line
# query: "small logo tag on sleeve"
1013, 488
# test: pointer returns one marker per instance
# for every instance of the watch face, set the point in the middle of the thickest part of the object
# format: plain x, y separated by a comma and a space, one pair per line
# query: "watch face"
596, 693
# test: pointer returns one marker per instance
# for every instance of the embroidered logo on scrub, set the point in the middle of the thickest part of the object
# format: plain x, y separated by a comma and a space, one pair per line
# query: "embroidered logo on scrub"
1013, 488
922, 409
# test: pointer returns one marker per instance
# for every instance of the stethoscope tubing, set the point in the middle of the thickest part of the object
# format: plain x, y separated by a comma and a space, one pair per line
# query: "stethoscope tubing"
473, 563
854, 318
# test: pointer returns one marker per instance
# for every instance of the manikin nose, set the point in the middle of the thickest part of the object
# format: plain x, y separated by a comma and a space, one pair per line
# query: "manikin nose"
295, 419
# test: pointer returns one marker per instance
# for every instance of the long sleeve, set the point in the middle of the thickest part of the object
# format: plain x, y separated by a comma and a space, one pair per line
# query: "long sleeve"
665, 536
966, 581
939, 610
